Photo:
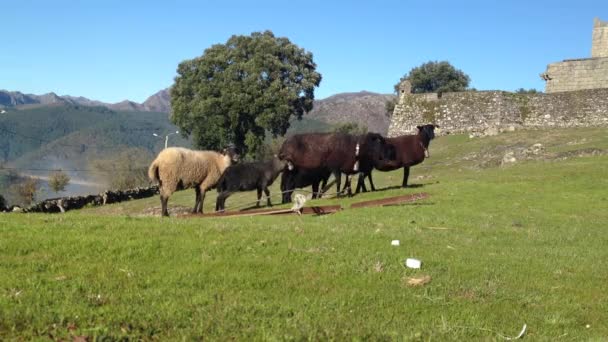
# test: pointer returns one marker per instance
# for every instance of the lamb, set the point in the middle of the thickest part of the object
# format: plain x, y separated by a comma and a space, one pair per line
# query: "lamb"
300, 178
248, 176
339, 152
177, 168
410, 150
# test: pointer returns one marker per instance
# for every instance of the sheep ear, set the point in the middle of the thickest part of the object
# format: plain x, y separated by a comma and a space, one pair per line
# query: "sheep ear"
419, 128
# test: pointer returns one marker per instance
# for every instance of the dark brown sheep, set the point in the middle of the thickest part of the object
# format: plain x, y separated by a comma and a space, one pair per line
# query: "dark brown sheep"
410, 150
338, 152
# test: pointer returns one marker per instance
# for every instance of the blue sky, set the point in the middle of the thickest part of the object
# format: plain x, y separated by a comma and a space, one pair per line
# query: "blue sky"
115, 50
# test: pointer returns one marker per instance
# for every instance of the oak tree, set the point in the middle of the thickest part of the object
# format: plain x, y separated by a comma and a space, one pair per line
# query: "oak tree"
238, 91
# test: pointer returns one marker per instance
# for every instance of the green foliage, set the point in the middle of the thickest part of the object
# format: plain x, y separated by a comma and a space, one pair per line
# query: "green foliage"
307, 125
58, 180
350, 128
237, 91
436, 77
389, 106
127, 170
270, 148
26, 190
528, 91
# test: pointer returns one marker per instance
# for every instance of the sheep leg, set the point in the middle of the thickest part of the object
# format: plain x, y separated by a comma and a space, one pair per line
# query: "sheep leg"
347, 186
338, 181
287, 196
197, 201
259, 197
361, 183
322, 190
220, 204
163, 205
200, 204
406, 174
267, 193
315, 190
371, 182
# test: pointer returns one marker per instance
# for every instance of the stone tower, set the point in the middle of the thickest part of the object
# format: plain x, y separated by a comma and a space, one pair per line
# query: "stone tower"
599, 46
581, 73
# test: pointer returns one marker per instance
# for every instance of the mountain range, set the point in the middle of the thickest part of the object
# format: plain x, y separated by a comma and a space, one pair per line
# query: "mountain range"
159, 102
364, 108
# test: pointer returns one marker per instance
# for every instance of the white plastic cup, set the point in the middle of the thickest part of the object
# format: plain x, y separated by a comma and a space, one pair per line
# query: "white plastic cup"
395, 243
413, 263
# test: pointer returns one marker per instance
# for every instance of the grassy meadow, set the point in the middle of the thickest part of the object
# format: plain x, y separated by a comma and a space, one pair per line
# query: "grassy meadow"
503, 245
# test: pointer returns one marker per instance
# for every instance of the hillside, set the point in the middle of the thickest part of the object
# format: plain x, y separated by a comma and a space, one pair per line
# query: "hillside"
34, 136
364, 108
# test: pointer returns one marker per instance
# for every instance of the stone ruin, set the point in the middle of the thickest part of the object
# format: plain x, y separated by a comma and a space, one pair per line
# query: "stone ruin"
576, 96
581, 73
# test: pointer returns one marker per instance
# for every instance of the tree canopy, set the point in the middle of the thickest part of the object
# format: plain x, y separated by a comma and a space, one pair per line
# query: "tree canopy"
58, 180
436, 77
237, 91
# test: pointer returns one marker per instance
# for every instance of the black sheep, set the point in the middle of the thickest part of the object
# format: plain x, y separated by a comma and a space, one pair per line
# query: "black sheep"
246, 177
301, 178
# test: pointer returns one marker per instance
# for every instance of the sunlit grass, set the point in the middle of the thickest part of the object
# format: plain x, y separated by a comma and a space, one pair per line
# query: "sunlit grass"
504, 247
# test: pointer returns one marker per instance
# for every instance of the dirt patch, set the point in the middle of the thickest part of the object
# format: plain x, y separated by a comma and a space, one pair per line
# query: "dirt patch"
177, 210
585, 152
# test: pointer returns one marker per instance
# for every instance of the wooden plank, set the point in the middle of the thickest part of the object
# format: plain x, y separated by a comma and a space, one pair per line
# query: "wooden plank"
390, 200
317, 210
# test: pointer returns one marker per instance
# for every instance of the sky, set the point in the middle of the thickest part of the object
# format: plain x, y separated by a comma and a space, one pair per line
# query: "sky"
115, 50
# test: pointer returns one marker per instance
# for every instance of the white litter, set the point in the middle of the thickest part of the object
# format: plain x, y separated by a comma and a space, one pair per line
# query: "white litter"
395, 243
413, 263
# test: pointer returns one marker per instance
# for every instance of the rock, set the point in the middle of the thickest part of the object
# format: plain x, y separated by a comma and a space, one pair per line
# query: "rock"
536, 149
491, 131
509, 158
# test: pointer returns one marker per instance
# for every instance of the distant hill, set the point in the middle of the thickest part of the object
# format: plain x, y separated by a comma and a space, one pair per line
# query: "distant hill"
158, 102
53, 135
365, 108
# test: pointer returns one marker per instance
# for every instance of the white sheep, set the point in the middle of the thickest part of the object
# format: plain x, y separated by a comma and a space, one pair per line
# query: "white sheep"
177, 168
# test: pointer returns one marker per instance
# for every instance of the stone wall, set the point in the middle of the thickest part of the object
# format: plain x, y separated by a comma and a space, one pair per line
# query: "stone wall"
63, 204
478, 111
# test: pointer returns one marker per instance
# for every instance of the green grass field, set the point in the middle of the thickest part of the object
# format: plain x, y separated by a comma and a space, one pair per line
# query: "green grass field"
504, 246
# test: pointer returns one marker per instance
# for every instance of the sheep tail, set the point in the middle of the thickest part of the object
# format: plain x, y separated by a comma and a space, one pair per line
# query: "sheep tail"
153, 172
